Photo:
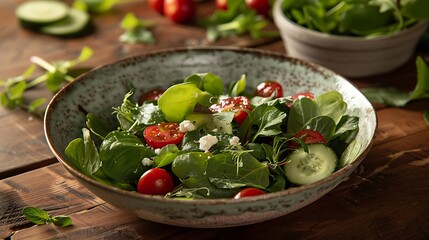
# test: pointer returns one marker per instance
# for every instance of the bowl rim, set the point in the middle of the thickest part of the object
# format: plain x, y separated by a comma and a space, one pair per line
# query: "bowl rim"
346, 38
228, 201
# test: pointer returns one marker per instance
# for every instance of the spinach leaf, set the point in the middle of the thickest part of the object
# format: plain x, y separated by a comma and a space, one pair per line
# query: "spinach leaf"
346, 132
277, 181
99, 128
191, 169
301, 111
135, 118
238, 87
83, 154
166, 155
221, 171
207, 82
331, 104
264, 120
350, 154
121, 154
323, 124
191, 139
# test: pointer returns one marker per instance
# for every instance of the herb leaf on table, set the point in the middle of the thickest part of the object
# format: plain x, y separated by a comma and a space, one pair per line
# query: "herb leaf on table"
40, 216
136, 30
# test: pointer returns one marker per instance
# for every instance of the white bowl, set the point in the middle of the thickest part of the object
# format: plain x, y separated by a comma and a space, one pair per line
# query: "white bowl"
97, 91
347, 55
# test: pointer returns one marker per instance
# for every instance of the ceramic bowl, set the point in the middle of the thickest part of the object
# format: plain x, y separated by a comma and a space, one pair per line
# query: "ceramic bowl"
98, 90
348, 56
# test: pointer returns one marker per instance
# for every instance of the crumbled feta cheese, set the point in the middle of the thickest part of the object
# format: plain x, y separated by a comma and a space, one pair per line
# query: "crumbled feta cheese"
147, 162
186, 126
157, 150
207, 141
215, 130
234, 140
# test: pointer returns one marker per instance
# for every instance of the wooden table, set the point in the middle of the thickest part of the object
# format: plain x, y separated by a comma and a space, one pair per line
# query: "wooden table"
387, 197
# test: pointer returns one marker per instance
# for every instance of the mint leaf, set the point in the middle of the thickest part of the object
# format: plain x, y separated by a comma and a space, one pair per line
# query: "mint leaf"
36, 215
62, 221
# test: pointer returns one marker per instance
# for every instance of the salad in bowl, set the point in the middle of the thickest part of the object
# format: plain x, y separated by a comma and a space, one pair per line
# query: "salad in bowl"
211, 136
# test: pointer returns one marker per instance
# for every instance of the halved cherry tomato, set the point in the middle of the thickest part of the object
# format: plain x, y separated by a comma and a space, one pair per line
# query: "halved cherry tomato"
157, 5
162, 134
222, 4
235, 104
306, 94
155, 181
308, 136
267, 88
248, 192
151, 95
179, 11
262, 7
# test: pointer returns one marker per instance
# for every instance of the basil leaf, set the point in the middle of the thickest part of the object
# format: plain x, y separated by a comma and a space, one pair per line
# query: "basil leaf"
222, 171
121, 154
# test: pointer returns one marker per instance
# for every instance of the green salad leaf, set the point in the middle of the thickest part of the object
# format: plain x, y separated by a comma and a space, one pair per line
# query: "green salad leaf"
40, 216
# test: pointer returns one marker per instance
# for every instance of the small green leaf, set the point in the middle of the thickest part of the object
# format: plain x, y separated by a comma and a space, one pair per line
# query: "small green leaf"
239, 86
17, 90
36, 215
85, 54
62, 221
36, 104
129, 22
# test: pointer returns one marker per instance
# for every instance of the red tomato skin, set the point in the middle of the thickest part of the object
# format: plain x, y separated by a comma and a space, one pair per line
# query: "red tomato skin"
249, 192
236, 104
306, 94
155, 181
266, 89
180, 11
308, 136
151, 95
222, 4
161, 134
262, 7
157, 5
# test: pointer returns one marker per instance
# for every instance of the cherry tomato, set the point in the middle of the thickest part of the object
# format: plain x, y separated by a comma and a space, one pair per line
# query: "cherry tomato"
179, 11
267, 88
306, 94
155, 181
151, 95
248, 192
222, 4
236, 104
308, 136
157, 5
162, 134
262, 7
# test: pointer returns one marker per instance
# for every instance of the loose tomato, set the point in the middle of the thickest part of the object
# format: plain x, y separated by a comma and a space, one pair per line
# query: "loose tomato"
155, 181
162, 134
306, 94
157, 5
222, 4
151, 95
248, 192
267, 88
179, 11
308, 136
236, 104
262, 7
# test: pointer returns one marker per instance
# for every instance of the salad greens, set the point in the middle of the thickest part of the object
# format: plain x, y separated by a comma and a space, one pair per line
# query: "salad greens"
356, 17
247, 155
136, 30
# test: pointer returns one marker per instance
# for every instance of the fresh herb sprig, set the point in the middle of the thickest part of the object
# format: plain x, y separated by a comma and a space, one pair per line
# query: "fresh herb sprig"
136, 30
56, 74
237, 20
40, 217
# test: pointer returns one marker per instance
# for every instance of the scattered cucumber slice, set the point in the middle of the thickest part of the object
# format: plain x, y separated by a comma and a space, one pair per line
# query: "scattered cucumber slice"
34, 14
308, 167
76, 23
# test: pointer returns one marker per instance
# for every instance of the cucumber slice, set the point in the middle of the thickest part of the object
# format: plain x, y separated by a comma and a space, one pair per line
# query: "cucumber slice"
75, 24
35, 14
308, 167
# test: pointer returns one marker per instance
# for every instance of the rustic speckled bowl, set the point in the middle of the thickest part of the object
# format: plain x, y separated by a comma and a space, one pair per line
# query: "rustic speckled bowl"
99, 90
